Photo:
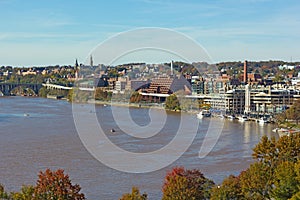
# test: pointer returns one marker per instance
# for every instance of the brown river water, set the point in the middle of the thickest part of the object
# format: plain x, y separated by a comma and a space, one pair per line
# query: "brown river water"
37, 133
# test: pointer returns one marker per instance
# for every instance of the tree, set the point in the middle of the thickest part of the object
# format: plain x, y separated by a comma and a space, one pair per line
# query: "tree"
3, 194
265, 150
230, 189
256, 181
70, 95
272, 152
135, 195
100, 94
186, 185
172, 103
278, 78
55, 185
276, 159
294, 112
297, 171
285, 183
43, 92
281, 118
288, 148
27, 193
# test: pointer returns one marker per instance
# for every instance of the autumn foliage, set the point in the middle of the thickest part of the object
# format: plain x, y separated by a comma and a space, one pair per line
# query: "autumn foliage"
134, 195
56, 185
186, 185
274, 175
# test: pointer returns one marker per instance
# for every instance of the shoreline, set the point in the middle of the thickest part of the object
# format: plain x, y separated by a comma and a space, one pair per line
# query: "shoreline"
137, 105
124, 104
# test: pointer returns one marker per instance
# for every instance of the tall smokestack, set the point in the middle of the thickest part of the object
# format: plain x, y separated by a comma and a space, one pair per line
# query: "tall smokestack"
245, 72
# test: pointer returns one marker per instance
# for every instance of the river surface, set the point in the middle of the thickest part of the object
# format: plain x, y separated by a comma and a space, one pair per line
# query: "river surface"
37, 133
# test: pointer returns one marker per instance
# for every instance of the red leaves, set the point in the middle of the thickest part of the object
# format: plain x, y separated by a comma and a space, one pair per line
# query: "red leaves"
186, 184
56, 185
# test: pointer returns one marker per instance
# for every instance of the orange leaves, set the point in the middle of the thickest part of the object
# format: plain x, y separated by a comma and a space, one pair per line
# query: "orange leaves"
56, 185
186, 184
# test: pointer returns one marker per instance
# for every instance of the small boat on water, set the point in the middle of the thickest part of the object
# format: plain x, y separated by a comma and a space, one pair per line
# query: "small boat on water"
243, 118
230, 117
203, 113
263, 120
220, 116
284, 131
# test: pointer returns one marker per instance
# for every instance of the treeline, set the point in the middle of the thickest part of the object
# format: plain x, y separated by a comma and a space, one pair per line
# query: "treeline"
256, 64
234, 68
263, 68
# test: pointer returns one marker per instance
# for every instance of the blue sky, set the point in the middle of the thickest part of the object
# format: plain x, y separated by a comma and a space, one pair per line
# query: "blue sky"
56, 32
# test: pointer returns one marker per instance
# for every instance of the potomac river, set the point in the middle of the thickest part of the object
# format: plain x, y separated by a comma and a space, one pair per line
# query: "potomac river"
38, 133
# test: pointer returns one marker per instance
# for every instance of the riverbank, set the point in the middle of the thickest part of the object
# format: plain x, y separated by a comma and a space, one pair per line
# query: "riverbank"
138, 105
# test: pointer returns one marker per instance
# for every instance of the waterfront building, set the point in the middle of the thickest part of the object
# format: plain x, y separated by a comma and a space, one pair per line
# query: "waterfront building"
197, 84
216, 101
254, 100
235, 101
120, 85
133, 85
254, 79
161, 87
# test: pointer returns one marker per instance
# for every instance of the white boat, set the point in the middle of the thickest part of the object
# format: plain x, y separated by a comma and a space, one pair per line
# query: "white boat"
220, 116
230, 117
263, 120
203, 113
243, 118
283, 131
276, 130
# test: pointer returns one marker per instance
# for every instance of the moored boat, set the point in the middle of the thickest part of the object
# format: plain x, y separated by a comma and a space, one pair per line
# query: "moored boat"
283, 131
263, 120
230, 117
220, 116
203, 113
243, 118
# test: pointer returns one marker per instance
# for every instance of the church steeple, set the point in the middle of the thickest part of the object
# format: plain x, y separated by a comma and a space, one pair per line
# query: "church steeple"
76, 64
91, 61
76, 69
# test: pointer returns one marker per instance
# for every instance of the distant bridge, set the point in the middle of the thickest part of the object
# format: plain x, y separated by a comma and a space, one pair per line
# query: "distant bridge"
59, 87
54, 86
6, 88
